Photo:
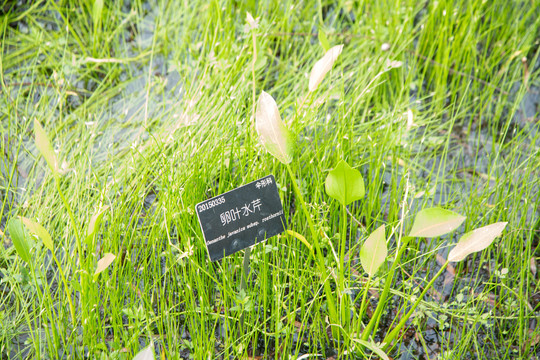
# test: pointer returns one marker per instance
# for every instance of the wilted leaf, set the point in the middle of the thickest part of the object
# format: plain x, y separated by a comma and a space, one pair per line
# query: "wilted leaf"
273, 134
476, 240
374, 251
19, 239
323, 66
435, 222
300, 237
95, 222
345, 184
39, 231
145, 354
44, 146
104, 263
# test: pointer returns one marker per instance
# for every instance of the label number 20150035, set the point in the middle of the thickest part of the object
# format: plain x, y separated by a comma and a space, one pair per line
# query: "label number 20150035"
212, 203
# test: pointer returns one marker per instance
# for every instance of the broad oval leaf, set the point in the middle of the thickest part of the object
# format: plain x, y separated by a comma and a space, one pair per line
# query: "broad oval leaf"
95, 221
44, 146
145, 354
435, 222
20, 240
273, 134
38, 230
323, 66
345, 184
476, 240
104, 263
374, 251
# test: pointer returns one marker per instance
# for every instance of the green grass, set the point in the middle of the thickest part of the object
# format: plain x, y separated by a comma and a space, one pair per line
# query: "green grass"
154, 101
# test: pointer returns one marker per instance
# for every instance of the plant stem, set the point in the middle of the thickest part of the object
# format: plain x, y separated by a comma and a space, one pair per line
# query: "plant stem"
68, 292
320, 260
79, 247
344, 303
382, 300
391, 336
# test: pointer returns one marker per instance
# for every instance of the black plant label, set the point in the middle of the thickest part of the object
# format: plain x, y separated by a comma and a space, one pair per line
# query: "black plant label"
241, 217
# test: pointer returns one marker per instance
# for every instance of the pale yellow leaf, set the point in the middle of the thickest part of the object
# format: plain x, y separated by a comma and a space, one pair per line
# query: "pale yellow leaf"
44, 146
433, 222
476, 240
253, 24
323, 66
145, 354
374, 251
273, 134
38, 230
104, 263
95, 221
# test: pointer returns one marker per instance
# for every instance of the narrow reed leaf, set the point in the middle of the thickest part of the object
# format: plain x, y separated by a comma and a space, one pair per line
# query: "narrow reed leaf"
435, 222
345, 184
38, 230
323, 66
476, 240
374, 251
273, 134
301, 238
104, 263
44, 146
97, 10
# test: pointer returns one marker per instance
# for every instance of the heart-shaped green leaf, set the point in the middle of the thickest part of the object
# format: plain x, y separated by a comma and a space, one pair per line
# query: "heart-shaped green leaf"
435, 222
273, 134
38, 230
44, 146
476, 240
345, 184
374, 251
323, 39
19, 238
